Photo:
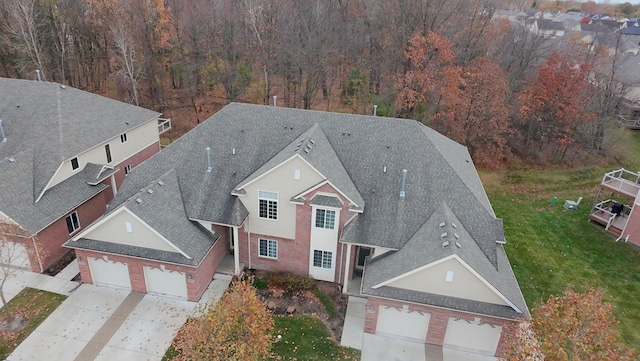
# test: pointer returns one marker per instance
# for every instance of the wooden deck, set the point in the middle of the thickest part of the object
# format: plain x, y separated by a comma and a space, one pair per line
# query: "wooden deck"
622, 186
616, 226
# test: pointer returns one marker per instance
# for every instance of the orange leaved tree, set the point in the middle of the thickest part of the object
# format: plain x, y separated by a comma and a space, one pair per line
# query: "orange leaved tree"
571, 327
237, 328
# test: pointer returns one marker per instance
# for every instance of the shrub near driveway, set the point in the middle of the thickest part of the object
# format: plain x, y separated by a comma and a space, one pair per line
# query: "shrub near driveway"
36, 305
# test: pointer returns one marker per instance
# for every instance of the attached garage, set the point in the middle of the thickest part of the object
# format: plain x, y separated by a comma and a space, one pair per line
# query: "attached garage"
402, 323
472, 336
166, 282
109, 273
15, 254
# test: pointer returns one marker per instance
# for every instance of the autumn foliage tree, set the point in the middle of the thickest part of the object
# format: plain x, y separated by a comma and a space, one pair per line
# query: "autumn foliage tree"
553, 105
571, 327
237, 328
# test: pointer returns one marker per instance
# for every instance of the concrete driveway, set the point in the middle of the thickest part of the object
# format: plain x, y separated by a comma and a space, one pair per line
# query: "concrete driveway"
99, 323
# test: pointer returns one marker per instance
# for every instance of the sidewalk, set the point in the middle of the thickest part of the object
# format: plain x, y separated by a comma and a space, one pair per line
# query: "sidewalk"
61, 283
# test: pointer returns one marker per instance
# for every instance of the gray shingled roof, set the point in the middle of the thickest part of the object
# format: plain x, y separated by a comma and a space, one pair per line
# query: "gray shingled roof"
159, 205
428, 245
16, 193
371, 151
55, 123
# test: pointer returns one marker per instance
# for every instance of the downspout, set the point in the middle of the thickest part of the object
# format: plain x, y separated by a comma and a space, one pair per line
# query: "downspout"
113, 185
341, 262
35, 247
249, 243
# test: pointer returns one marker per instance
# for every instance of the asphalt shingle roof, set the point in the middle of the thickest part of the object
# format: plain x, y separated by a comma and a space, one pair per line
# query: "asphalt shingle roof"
54, 123
365, 152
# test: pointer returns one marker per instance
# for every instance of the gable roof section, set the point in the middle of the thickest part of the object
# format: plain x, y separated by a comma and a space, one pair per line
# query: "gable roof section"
314, 148
159, 205
428, 246
17, 193
57, 123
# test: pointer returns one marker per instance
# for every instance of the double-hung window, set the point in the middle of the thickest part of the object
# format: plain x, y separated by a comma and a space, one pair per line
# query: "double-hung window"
268, 248
322, 259
325, 219
73, 222
268, 205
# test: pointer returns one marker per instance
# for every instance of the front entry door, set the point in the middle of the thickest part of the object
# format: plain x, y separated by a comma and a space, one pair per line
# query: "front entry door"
361, 255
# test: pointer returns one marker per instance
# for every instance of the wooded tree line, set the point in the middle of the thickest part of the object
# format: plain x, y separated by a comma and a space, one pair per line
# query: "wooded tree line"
448, 63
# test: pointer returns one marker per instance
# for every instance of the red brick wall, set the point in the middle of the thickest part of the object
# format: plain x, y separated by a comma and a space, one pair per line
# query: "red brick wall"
197, 283
50, 240
293, 254
438, 321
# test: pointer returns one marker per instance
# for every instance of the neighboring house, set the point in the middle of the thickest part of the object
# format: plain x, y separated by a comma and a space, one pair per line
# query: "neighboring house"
388, 206
63, 154
547, 28
617, 205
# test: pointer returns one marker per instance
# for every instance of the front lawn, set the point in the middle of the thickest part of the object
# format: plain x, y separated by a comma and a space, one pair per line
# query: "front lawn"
36, 305
551, 248
307, 338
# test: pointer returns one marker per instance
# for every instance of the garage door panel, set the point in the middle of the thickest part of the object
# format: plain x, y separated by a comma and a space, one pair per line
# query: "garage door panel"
109, 273
166, 282
472, 336
402, 323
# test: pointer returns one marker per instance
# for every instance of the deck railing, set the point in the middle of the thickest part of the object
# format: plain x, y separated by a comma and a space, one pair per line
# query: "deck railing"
620, 178
604, 209
164, 124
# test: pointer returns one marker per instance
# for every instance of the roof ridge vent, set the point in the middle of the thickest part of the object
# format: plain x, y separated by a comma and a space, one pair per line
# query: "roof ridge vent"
150, 191
442, 224
443, 235
139, 200
12, 160
160, 183
445, 244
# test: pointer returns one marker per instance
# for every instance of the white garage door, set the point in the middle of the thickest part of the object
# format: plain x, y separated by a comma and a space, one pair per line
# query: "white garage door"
109, 273
168, 283
14, 254
402, 323
472, 336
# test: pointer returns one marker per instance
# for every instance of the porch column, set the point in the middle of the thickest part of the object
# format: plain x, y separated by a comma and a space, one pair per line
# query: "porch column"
236, 252
113, 185
347, 269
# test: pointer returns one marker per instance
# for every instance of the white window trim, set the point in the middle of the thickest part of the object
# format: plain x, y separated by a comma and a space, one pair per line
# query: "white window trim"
123, 138
76, 229
127, 169
324, 221
269, 242
262, 197
313, 261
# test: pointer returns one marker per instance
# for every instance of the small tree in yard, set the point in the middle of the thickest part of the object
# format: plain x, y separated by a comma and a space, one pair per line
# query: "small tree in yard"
9, 253
571, 327
237, 328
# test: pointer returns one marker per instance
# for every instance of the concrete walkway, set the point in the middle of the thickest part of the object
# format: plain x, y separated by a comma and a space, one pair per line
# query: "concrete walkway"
353, 327
61, 283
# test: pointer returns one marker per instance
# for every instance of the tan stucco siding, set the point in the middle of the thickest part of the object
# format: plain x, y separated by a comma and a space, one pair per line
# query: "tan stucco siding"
137, 140
464, 284
281, 180
114, 230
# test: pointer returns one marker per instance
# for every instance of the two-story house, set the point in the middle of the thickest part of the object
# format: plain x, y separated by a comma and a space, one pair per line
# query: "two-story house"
63, 154
387, 207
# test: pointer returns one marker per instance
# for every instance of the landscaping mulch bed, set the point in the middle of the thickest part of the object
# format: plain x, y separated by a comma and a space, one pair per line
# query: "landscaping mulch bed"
60, 264
306, 302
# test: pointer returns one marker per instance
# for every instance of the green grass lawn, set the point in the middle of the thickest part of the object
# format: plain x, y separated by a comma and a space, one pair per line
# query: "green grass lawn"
307, 338
37, 305
551, 249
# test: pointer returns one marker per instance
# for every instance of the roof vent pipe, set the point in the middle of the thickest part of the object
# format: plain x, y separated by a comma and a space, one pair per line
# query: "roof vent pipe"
404, 183
375, 110
38, 75
4, 137
275, 101
209, 160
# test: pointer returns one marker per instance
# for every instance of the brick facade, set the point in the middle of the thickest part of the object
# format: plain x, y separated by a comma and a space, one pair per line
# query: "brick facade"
438, 321
198, 278
293, 254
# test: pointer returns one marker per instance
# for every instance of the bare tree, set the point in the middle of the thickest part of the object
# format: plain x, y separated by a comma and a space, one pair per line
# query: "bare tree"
10, 253
23, 27
130, 66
